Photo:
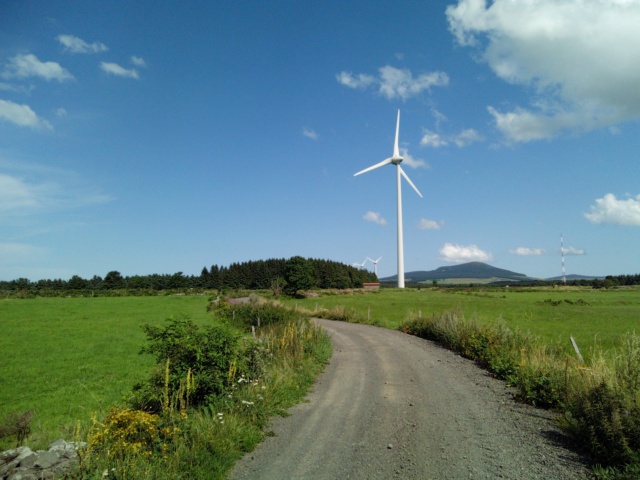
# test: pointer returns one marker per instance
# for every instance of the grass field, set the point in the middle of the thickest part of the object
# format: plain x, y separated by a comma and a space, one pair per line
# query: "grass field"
68, 358
590, 316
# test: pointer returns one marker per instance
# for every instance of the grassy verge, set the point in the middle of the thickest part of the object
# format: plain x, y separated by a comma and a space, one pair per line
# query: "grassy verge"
210, 396
599, 399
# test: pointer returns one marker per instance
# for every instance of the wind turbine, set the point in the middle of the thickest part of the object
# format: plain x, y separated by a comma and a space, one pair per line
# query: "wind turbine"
375, 264
396, 159
360, 264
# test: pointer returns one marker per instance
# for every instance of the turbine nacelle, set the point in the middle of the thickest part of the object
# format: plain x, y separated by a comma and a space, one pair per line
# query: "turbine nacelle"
397, 160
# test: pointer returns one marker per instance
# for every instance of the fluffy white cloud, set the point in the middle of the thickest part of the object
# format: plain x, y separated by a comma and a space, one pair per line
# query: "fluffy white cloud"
574, 251
610, 209
310, 133
394, 82
374, 217
23, 66
466, 137
579, 58
432, 139
21, 115
408, 159
138, 61
458, 253
117, 70
426, 224
358, 81
526, 251
462, 139
77, 45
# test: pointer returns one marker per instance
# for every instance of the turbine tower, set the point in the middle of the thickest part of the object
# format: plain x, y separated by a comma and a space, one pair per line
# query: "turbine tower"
396, 159
375, 264
564, 276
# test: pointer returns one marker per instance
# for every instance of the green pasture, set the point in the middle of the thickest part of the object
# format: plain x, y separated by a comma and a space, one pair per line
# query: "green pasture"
69, 358
554, 314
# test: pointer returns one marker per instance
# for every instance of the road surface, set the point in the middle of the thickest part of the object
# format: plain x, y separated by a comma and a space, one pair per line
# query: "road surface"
390, 405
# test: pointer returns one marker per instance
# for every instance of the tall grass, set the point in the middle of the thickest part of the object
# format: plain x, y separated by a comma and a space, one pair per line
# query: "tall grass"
599, 400
271, 370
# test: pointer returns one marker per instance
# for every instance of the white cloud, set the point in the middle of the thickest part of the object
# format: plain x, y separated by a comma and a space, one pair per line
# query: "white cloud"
426, 224
24, 66
310, 133
351, 81
21, 115
462, 139
374, 217
117, 70
574, 251
432, 139
526, 251
61, 112
407, 159
16, 194
394, 82
77, 45
138, 61
458, 253
14, 253
609, 209
59, 190
467, 137
580, 60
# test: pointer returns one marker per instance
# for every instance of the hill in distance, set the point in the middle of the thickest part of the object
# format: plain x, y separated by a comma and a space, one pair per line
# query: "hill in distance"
472, 272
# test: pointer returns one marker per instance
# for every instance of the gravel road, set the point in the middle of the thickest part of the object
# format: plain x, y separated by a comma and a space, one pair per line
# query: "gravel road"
390, 405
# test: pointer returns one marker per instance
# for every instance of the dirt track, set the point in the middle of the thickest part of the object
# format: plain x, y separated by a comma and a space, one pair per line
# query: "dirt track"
394, 406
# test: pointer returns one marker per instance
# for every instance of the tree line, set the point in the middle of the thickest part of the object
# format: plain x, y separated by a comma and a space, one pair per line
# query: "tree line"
288, 275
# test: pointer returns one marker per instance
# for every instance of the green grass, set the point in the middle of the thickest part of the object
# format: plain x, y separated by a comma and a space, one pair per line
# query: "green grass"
68, 358
591, 316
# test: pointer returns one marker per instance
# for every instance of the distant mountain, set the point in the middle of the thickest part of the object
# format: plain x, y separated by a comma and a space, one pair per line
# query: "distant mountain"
472, 272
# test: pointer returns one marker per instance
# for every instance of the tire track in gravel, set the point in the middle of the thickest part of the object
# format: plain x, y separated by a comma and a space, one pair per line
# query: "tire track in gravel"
390, 405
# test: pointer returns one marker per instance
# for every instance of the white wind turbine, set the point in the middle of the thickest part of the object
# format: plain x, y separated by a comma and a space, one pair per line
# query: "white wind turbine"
356, 264
396, 159
375, 264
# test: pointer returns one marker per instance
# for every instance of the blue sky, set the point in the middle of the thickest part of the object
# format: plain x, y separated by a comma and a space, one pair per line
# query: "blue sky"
157, 137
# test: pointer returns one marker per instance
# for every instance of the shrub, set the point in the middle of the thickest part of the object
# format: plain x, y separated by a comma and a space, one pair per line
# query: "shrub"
187, 353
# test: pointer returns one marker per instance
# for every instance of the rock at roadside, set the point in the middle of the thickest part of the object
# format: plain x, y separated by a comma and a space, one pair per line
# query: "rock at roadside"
22, 463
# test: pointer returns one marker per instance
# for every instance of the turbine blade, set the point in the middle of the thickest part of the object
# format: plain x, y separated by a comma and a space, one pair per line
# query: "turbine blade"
409, 180
381, 164
396, 150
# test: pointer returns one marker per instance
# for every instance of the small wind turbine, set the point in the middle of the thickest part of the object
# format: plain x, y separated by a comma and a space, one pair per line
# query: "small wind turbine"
375, 264
360, 264
396, 159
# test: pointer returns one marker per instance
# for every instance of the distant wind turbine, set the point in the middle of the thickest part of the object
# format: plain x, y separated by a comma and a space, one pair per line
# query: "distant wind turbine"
360, 264
396, 159
375, 264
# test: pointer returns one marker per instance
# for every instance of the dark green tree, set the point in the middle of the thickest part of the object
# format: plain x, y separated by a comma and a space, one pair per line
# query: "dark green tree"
298, 274
113, 280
